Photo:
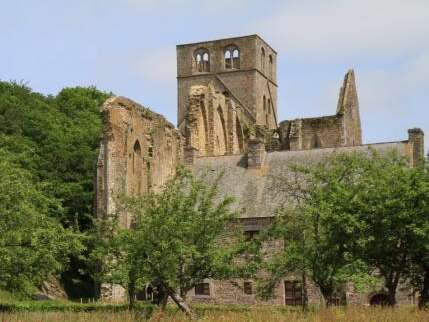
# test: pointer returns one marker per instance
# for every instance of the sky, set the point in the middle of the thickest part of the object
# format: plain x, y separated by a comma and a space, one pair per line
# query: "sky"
128, 47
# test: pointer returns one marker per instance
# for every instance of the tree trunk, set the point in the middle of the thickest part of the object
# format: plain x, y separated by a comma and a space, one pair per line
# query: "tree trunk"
391, 294
163, 302
131, 293
424, 292
327, 295
181, 303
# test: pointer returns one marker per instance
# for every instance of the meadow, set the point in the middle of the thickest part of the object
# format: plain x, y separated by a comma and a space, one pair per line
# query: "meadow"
249, 314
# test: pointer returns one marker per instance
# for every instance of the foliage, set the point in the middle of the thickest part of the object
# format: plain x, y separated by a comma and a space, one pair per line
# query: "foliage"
350, 218
178, 238
33, 245
53, 141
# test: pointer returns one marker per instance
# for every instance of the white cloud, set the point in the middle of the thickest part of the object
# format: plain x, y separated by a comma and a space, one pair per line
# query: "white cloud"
328, 29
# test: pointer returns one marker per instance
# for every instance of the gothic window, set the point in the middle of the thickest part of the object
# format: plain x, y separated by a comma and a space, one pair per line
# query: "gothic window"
270, 60
232, 57
239, 135
220, 132
202, 60
293, 293
202, 289
264, 107
136, 155
263, 59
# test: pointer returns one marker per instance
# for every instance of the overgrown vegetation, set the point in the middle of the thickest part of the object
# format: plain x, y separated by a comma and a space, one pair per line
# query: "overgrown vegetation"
48, 152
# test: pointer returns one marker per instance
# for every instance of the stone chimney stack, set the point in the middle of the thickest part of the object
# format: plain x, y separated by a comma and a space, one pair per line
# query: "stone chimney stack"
256, 155
417, 145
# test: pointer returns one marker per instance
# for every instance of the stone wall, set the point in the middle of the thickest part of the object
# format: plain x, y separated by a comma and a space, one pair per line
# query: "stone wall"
341, 129
140, 150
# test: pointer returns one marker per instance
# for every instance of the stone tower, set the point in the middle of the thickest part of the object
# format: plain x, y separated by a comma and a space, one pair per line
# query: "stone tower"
226, 89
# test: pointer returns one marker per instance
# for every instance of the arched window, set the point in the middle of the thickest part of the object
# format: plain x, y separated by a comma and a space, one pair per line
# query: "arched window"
236, 59
136, 156
228, 60
262, 59
270, 60
202, 60
232, 57
264, 108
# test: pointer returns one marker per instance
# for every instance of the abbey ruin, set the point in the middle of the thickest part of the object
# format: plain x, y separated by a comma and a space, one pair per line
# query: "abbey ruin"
227, 121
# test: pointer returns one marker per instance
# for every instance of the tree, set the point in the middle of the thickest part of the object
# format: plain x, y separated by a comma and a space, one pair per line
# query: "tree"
33, 245
57, 139
316, 227
419, 251
391, 209
179, 236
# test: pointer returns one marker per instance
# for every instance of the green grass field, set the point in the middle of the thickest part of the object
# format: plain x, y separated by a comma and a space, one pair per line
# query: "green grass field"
211, 314
14, 310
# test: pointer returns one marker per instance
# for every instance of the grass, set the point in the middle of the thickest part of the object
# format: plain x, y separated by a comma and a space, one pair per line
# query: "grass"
232, 314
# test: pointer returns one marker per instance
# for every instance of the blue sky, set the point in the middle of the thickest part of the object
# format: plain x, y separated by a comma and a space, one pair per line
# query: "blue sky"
128, 47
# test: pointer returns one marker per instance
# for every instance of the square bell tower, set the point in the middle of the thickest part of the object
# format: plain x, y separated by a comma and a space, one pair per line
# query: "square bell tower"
242, 68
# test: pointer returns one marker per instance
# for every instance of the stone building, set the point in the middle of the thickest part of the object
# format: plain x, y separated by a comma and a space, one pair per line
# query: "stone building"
227, 122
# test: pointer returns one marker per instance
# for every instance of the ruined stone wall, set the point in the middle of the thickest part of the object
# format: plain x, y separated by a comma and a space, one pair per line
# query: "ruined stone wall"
140, 150
341, 129
215, 125
311, 133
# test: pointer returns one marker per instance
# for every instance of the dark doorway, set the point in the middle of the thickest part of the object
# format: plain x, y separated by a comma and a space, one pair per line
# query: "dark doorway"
379, 299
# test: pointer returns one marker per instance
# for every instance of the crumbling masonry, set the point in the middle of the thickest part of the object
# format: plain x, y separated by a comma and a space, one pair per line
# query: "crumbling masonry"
227, 121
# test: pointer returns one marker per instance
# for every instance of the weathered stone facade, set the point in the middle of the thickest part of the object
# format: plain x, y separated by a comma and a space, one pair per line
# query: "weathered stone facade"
227, 122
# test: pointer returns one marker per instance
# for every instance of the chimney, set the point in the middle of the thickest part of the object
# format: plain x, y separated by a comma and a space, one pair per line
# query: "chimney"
256, 154
417, 145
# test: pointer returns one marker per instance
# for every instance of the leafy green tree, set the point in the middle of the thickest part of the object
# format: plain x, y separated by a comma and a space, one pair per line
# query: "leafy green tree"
390, 208
179, 237
419, 251
57, 139
316, 228
33, 245
357, 211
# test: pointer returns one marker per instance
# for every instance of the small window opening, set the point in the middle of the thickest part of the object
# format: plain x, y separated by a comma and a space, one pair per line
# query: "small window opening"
262, 59
202, 289
270, 59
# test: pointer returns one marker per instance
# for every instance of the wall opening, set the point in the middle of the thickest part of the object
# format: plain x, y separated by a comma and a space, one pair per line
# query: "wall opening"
263, 59
232, 57
202, 60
